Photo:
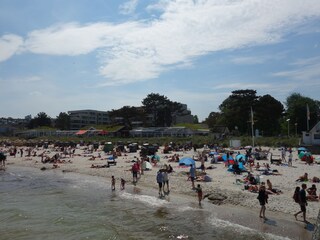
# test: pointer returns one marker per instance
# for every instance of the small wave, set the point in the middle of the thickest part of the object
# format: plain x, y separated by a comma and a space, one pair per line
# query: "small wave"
186, 208
150, 200
244, 230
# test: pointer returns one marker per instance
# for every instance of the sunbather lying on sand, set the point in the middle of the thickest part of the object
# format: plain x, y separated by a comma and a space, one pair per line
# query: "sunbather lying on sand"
99, 166
303, 178
272, 190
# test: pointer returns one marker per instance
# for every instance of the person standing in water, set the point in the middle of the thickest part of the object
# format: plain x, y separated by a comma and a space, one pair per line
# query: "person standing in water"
113, 183
166, 179
122, 184
200, 193
160, 182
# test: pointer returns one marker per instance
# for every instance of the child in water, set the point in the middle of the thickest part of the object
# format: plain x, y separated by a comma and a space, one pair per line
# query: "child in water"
113, 183
200, 193
122, 184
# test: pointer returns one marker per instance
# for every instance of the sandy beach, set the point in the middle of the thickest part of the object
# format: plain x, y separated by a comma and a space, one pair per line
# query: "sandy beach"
224, 183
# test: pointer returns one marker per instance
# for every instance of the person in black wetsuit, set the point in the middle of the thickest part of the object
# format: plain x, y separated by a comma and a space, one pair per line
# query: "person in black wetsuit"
263, 199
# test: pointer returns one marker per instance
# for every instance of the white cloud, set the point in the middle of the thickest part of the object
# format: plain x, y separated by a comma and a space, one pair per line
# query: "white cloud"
257, 59
306, 61
142, 50
31, 79
69, 39
35, 93
306, 70
235, 86
9, 45
158, 6
248, 60
128, 7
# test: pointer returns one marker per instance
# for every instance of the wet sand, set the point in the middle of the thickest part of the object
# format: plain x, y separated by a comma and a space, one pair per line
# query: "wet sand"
280, 224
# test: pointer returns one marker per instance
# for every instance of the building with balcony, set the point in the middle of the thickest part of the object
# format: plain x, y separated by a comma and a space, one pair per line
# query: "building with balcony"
82, 118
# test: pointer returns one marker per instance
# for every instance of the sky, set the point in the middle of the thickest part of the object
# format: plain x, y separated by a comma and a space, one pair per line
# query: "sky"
57, 55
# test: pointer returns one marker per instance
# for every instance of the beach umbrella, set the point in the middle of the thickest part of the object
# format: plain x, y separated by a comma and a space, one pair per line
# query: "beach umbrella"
187, 161
213, 153
302, 149
303, 154
241, 156
224, 157
156, 157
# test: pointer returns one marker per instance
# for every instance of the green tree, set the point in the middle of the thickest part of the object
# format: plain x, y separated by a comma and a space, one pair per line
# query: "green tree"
297, 111
213, 119
42, 119
63, 121
161, 109
236, 109
129, 114
195, 119
267, 115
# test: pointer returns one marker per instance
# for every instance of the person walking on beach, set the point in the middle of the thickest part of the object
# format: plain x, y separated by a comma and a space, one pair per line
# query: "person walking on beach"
302, 202
202, 167
113, 183
263, 199
139, 167
290, 158
192, 173
200, 193
295, 196
283, 154
160, 182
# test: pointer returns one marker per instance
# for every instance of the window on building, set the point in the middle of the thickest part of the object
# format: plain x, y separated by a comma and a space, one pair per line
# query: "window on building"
316, 136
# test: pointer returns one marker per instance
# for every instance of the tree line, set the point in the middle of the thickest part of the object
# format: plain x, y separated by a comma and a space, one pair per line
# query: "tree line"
269, 115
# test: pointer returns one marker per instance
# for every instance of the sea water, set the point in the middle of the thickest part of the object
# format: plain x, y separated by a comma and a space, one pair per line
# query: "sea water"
54, 205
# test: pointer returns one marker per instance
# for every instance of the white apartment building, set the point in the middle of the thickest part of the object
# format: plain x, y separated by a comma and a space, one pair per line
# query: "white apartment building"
82, 118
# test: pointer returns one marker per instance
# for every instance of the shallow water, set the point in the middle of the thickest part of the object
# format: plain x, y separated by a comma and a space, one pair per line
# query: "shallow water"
54, 205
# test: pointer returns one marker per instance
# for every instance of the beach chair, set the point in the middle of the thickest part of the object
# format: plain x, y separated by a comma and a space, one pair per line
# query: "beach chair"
111, 162
275, 159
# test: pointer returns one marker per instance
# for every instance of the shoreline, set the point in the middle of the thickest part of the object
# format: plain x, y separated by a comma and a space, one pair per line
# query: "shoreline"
278, 226
239, 202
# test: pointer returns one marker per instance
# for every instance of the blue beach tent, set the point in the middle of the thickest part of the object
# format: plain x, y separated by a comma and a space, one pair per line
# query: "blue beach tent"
187, 161
241, 167
224, 157
241, 156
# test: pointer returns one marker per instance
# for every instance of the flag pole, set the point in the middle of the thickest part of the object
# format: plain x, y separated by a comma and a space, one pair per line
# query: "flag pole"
252, 131
308, 117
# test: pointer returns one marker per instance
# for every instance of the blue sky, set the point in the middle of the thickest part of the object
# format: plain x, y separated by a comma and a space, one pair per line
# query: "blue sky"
58, 55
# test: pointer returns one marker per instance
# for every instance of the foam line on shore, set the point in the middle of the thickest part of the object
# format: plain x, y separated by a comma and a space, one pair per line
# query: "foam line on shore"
243, 229
149, 200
